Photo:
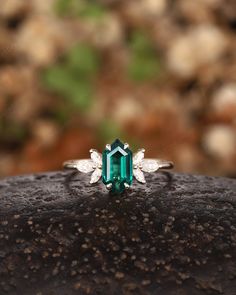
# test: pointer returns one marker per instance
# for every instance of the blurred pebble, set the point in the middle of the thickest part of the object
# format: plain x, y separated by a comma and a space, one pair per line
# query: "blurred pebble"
220, 141
153, 7
199, 47
43, 6
188, 158
46, 132
10, 8
8, 52
22, 110
19, 85
137, 11
7, 162
106, 32
127, 109
39, 39
204, 9
2, 102
16, 80
225, 98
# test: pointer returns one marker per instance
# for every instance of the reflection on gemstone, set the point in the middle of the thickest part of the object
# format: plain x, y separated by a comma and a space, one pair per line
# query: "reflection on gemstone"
117, 167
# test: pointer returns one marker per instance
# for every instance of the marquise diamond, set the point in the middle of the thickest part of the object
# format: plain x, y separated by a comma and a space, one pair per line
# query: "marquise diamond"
149, 165
97, 158
138, 157
85, 166
96, 175
138, 174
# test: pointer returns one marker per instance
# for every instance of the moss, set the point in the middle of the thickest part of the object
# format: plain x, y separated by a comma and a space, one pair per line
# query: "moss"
108, 130
73, 78
80, 8
83, 59
11, 133
62, 7
144, 63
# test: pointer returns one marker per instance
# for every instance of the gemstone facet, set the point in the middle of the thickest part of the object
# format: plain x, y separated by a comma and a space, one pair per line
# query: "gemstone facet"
117, 166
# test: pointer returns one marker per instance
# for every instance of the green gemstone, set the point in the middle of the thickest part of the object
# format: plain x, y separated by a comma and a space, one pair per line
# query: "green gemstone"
117, 166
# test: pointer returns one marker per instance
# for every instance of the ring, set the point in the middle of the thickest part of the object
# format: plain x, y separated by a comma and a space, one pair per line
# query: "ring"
117, 166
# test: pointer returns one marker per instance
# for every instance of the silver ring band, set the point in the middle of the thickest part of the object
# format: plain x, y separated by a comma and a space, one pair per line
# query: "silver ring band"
121, 166
165, 164
74, 164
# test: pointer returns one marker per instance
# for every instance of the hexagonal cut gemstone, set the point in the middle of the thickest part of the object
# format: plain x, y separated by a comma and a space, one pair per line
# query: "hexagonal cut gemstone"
117, 166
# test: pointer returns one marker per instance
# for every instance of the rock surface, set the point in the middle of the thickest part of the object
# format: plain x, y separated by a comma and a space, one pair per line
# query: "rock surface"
60, 235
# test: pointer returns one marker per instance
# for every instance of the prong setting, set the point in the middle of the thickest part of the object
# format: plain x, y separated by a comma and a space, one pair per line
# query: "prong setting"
101, 166
92, 151
142, 150
127, 186
109, 186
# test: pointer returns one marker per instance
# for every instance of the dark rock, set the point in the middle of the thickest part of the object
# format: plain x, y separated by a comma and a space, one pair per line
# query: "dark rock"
175, 235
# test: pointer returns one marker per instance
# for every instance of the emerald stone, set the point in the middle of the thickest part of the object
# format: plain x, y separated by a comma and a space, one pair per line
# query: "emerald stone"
117, 166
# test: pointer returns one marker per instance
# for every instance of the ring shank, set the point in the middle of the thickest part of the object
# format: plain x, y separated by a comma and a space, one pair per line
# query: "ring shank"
72, 164
165, 164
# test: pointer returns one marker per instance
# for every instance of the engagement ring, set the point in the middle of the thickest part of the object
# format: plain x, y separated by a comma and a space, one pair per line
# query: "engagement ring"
117, 166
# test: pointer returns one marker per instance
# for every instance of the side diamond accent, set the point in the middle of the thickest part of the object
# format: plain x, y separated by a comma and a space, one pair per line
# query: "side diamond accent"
96, 175
138, 157
97, 158
138, 174
149, 165
85, 166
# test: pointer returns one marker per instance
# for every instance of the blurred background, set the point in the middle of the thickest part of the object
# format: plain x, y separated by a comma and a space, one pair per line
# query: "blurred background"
76, 74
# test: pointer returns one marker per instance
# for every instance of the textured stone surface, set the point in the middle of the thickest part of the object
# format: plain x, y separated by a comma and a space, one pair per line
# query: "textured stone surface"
174, 235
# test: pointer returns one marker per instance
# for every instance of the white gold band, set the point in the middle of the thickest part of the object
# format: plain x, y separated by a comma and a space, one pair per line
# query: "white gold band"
75, 164
139, 165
